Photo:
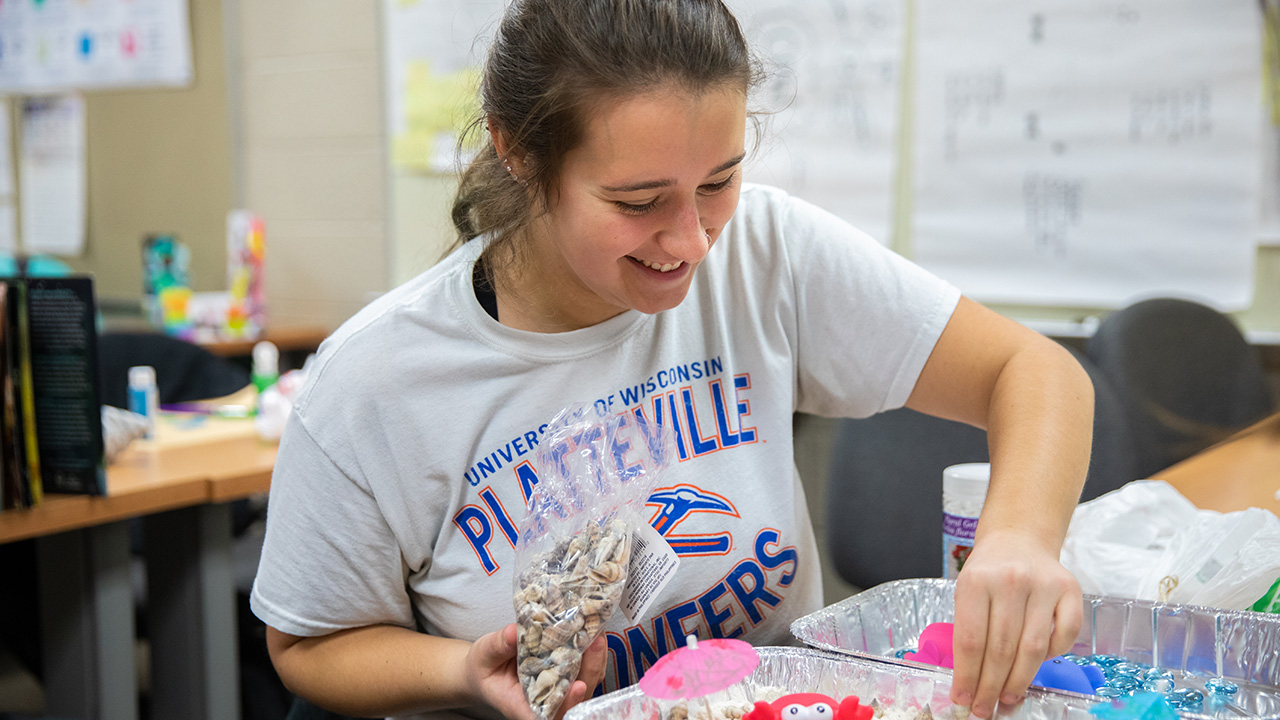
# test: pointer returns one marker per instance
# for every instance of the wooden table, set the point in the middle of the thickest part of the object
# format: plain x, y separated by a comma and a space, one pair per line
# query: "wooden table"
288, 339
1240, 472
181, 483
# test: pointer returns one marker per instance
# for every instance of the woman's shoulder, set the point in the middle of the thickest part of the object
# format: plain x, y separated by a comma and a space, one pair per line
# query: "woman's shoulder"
373, 340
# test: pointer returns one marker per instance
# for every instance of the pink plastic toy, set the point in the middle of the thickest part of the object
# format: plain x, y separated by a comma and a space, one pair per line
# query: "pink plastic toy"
810, 706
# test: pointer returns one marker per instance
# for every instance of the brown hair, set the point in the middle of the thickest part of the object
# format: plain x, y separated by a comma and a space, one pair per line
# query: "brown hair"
552, 63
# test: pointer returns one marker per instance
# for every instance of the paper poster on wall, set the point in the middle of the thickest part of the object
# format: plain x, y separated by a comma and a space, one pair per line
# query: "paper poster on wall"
834, 95
57, 45
52, 175
433, 53
1089, 152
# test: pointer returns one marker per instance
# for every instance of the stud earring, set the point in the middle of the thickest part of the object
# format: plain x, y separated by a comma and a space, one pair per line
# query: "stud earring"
507, 164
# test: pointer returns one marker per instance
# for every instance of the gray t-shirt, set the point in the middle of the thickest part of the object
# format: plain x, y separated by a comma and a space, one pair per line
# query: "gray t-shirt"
403, 472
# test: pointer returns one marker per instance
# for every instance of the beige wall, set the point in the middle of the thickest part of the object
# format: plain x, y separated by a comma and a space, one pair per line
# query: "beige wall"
313, 151
160, 161
288, 123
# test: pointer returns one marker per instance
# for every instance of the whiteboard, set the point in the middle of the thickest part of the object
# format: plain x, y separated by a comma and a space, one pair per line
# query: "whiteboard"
833, 102
1089, 152
55, 45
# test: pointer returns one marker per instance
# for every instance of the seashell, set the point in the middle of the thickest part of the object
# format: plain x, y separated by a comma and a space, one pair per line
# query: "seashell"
597, 601
925, 713
543, 686
679, 712
534, 613
530, 638
604, 551
608, 573
532, 667
565, 657
561, 633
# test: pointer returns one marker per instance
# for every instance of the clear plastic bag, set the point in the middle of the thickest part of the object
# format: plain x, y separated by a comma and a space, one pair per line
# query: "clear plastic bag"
1147, 541
596, 471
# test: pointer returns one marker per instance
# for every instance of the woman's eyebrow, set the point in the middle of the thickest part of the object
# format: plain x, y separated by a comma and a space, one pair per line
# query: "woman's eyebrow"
651, 184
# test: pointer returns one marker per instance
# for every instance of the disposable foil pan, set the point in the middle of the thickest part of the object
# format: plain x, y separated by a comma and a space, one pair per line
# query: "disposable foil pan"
904, 692
1195, 643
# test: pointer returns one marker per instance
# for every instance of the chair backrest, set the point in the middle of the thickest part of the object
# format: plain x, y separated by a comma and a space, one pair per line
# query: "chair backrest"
1185, 374
184, 371
1115, 451
884, 493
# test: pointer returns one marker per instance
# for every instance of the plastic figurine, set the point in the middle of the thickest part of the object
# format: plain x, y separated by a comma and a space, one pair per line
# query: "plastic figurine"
810, 706
1057, 673
1062, 674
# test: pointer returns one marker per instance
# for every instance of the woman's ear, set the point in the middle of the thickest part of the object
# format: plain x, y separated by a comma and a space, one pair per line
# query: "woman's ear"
512, 159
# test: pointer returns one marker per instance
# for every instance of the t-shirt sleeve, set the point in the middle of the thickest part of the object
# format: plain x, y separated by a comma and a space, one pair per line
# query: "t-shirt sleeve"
329, 559
867, 319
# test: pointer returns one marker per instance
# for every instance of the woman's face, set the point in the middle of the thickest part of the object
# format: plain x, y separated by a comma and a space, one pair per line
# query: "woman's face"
638, 205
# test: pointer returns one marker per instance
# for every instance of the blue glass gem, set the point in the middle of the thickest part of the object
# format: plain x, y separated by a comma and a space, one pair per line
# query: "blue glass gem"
1077, 659
1186, 697
1221, 687
1127, 669
1155, 674
903, 652
1106, 661
1159, 685
1142, 706
1122, 682
1107, 691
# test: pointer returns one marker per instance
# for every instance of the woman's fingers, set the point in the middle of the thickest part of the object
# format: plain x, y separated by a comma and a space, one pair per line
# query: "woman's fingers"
969, 643
590, 674
1068, 617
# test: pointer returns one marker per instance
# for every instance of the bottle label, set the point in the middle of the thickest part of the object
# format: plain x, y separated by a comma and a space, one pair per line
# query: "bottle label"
138, 401
957, 542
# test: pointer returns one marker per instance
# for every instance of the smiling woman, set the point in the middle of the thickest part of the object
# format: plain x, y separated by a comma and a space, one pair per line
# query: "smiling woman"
609, 252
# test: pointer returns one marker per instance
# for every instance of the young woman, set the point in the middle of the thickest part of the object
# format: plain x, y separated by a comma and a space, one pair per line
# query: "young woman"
611, 253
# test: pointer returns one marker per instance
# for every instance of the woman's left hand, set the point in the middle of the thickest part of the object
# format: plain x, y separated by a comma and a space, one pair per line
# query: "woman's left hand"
1016, 606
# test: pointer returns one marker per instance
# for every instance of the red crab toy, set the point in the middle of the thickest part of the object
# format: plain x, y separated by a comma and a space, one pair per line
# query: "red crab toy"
810, 706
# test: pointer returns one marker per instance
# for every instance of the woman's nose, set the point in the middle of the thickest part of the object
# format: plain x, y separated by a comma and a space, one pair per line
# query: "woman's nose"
686, 238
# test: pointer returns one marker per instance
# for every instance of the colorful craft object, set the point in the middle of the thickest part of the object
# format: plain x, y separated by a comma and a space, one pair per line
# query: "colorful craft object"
810, 706
1140, 706
1062, 674
934, 648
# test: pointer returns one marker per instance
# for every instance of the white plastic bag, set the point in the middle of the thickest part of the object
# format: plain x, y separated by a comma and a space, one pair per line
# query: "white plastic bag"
1147, 541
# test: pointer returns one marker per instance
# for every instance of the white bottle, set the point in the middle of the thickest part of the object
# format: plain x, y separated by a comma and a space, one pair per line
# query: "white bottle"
964, 490
266, 365
144, 397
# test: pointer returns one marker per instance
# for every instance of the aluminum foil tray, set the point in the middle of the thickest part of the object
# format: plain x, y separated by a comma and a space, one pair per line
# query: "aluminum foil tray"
1195, 643
903, 692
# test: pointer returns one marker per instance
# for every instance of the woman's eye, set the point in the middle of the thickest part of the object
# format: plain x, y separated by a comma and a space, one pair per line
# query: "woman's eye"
712, 188
633, 209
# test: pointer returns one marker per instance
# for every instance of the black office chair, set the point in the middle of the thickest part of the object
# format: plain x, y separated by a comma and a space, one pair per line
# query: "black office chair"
1114, 461
184, 371
884, 493
1185, 374
884, 487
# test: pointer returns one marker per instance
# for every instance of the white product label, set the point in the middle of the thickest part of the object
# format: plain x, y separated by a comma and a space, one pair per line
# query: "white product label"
653, 563
957, 542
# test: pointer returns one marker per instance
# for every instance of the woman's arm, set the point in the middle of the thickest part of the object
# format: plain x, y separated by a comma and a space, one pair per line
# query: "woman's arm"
384, 670
1015, 603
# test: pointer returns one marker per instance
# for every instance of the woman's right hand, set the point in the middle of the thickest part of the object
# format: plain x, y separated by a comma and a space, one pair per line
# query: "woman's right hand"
491, 671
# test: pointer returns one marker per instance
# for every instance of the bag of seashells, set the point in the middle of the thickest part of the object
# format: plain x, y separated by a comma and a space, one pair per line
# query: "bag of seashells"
596, 470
